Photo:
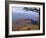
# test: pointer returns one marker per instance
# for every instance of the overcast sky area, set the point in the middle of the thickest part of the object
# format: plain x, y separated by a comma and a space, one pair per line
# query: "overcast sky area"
20, 10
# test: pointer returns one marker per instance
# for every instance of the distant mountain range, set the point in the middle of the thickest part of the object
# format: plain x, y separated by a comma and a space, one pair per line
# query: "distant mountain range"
24, 21
32, 16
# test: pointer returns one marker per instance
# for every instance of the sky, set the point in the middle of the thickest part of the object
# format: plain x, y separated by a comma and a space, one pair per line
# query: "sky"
20, 13
20, 10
